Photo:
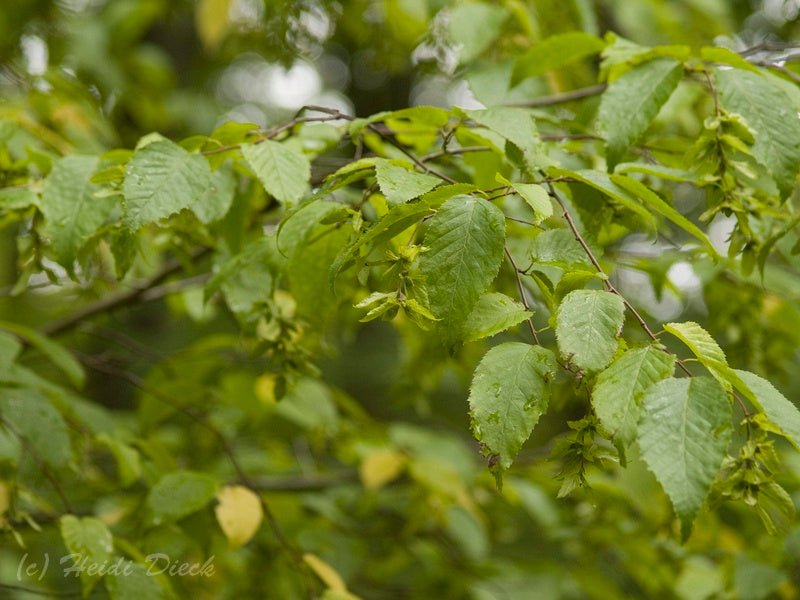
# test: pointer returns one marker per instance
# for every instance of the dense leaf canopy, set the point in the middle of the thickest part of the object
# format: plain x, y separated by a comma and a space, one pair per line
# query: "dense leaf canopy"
399, 299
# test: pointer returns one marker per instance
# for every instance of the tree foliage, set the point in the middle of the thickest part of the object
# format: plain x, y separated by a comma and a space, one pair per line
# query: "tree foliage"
542, 337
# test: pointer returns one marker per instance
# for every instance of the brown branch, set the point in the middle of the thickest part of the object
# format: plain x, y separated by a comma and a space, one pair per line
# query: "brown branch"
111, 303
563, 98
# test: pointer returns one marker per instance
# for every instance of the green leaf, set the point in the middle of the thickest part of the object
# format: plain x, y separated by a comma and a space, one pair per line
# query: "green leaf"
247, 278
602, 182
493, 313
283, 172
473, 27
559, 248
90, 545
17, 199
724, 56
513, 124
34, 418
618, 391
309, 405
684, 434
295, 229
654, 201
769, 112
537, 198
9, 350
216, 200
509, 392
160, 180
55, 352
655, 170
465, 248
135, 582
775, 405
71, 211
393, 223
588, 325
179, 494
631, 103
400, 184
556, 51
703, 346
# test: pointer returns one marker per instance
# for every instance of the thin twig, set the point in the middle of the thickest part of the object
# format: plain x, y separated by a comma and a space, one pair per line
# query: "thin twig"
111, 303
563, 98
521, 291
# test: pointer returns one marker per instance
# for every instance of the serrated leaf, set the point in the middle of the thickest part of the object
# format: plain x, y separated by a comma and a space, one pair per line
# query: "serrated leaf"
558, 248
588, 323
617, 393
31, 416
214, 203
247, 278
400, 184
513, 124
537, 198
770, 113
90, 545
160, 180
510, 391
72, 213
654, 201
703, 346
179, 494
556, 51
602, 182
295, 229
282, 171
632, 101
135, 582
239, 514
55, 352
493, 313
684, 434
473, 27
775, 405
465, 248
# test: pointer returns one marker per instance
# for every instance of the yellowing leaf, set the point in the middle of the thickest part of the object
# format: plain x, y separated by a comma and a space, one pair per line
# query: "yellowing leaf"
212, 22
381, 467
239, 514
325, 572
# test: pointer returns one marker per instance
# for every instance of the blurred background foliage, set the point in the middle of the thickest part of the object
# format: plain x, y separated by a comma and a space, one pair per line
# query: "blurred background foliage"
376, 472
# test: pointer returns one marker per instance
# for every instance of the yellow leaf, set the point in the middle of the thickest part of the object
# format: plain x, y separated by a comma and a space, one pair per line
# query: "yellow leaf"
212, 22
381, 467
239, 514
325, 572
265, 388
